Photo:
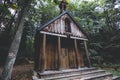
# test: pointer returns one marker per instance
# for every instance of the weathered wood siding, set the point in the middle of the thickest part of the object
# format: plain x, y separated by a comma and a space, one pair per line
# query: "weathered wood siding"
61, 52
51, 58
58, 27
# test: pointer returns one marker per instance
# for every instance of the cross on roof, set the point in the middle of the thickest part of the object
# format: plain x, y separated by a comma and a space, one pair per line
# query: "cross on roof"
63, 6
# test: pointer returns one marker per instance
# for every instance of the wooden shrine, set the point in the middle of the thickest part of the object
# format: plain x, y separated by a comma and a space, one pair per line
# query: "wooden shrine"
58, 45
61, 51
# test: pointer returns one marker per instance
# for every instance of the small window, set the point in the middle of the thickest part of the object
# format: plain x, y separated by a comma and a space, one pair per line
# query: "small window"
67, 25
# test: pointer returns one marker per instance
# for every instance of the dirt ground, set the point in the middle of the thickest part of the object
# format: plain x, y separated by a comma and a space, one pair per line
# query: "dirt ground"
21, 72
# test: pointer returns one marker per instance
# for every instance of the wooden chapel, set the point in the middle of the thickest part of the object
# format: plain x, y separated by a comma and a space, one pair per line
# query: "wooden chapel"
58, 51
58, 44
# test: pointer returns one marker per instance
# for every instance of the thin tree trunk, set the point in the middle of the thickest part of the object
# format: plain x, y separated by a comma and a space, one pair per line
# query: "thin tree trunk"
7, 72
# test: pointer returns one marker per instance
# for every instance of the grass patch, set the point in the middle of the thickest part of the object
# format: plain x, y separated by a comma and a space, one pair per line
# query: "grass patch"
113, 71
112, 68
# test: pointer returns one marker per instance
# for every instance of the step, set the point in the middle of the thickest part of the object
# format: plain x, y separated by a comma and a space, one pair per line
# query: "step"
73, 76
78, 76
105, 76
116, 78
91, 73
48, 74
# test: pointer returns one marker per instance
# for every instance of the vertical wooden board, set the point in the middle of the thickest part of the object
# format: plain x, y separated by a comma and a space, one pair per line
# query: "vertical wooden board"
71, 58
56, 56
51, 56
65, 58
62, 54
47, 53
77, 54
72, 28
43, 58
87, 55
76, 30
80, 55
62, 26
55, 27
58, 26
50, 53
44, 50
59, 53
74, 57
51, 26
81, 58
40, 60
80, 34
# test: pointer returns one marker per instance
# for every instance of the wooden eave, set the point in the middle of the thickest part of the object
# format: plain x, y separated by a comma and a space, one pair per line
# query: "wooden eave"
62, 35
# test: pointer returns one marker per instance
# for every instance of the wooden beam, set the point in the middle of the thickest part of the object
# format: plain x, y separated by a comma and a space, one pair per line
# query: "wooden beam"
87, 54
77, 54
62, 35
59, 54
43, 65
79, 38
54, 34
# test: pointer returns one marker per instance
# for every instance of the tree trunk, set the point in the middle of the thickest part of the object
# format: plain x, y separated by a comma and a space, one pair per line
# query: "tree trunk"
7, 72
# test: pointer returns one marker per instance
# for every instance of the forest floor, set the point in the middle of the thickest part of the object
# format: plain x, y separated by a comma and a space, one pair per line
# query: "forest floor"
21, 72
24, 71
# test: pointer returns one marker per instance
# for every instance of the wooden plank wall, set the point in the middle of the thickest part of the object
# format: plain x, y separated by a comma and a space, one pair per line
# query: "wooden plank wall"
52, 53
58, 27
72, 58
68, 53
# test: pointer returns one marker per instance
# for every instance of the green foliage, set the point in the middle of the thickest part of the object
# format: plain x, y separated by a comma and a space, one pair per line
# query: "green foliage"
48, 12
15, 6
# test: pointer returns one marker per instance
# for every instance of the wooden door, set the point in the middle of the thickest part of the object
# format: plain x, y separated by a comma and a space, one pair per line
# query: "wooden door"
65, 62
64, 54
